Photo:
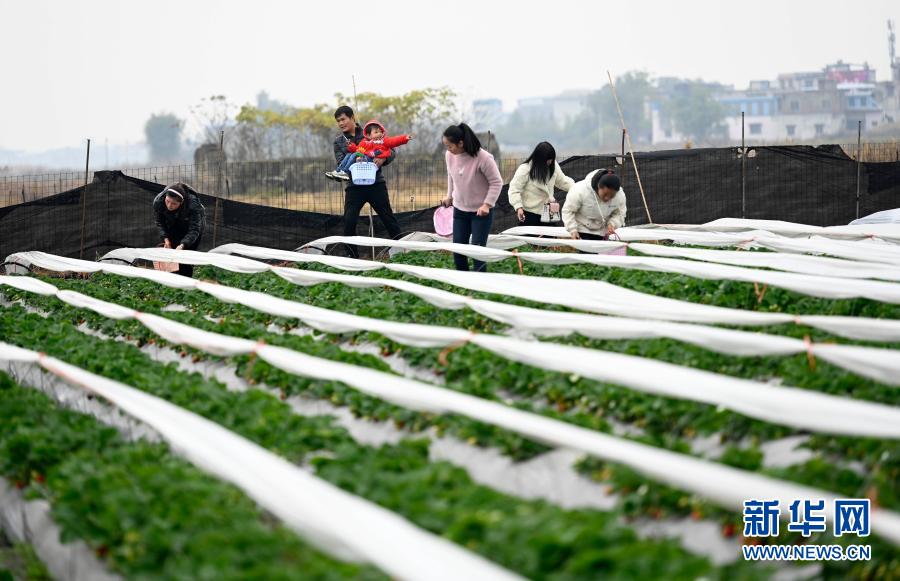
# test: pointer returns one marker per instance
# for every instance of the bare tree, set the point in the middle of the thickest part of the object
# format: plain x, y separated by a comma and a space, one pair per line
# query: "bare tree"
213, 115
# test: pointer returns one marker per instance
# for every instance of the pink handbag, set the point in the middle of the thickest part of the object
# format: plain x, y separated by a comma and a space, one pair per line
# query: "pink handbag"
618, 251
165, 266
443, 221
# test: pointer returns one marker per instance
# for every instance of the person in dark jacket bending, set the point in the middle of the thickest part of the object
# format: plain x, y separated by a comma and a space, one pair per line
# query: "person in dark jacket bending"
180, 219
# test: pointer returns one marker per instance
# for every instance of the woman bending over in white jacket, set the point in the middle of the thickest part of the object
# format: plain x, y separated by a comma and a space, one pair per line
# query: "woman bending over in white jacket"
531, 188
595, 206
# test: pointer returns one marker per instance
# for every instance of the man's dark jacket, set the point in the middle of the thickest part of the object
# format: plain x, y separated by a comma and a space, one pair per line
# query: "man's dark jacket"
183, 226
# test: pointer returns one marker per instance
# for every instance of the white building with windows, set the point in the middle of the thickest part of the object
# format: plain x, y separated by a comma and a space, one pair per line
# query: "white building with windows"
797, 106
487, 114
561, 108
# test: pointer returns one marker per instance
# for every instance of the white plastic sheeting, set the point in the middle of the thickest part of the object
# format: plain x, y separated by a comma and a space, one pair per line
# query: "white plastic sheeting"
30, 521
599, 297
886, 232
872, 251
487, 254
879, 364
883, 217
628, 234
865, 250
778, 404
416, 240
798, 263
338, 522
866, 259
829, 287
727, 486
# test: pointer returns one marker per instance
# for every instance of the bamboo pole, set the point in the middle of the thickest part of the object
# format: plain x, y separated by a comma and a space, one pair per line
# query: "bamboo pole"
637, 174
87, 165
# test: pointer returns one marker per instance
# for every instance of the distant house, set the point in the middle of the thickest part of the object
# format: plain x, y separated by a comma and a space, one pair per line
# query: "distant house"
800, 106
486, 114
560, 108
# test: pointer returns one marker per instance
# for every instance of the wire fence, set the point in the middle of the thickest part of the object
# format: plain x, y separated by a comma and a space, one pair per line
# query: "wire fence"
294, 184
284, 204
300, 184
873, 152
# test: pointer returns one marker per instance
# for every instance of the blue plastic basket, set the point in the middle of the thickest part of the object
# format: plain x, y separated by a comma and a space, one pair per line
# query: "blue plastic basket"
363, 173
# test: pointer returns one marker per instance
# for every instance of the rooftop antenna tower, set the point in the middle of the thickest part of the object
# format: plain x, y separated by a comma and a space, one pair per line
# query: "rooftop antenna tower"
892, 51
891, 41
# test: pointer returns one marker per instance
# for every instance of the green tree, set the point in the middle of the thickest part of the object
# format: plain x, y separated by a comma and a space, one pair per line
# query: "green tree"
308, 131
694, 111
287, 132
163, 135
633, 89
425, 113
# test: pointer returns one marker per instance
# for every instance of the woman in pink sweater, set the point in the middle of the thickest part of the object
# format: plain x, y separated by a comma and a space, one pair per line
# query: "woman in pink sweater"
473, 186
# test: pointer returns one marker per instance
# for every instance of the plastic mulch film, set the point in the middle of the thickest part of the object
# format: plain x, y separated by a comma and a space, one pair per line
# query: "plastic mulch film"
536, 321
30, 521
335, 521
613, 300
866, 259
592, 296
724, 485
866, 250
777, 404
887, 232
828, 287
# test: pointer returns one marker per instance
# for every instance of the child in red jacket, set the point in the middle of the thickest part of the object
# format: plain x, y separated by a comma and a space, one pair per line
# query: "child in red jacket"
376, 145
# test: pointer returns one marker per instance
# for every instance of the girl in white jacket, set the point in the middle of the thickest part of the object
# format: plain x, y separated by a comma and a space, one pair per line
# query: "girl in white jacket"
595, 206
532, 185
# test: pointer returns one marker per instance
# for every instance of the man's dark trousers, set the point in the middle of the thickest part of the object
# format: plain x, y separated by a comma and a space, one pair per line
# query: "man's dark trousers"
376, 195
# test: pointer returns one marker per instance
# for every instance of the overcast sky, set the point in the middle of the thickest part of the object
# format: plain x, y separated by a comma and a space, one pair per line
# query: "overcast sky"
96, 68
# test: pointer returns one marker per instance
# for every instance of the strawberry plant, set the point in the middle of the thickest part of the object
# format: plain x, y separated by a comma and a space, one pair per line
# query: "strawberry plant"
570, 532
442, 498
147, 513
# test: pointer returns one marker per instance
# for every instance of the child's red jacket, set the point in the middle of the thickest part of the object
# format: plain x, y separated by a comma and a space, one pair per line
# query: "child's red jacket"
369, 147
384, 146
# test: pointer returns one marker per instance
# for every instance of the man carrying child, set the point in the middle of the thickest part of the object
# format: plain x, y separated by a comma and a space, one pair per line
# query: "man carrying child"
376, 145
355, 197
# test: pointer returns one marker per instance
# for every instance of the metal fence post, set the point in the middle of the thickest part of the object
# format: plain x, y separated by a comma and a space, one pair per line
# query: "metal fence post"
220, 186
858, 163
371, 228
87, 165
743, 171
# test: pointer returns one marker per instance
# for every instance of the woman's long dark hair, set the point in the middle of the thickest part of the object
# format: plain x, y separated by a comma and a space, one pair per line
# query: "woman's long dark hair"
538, 159
463, 133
